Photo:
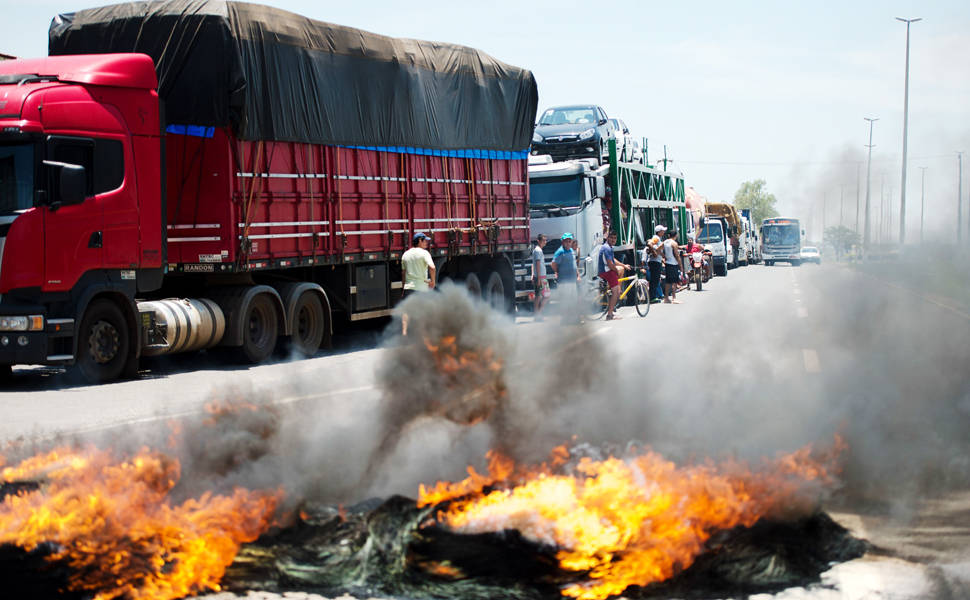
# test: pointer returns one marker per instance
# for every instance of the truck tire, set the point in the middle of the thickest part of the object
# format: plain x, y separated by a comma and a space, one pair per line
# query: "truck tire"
103, 342
768, 263
796, 263
309, 324
494, 292
474, 285
260, 329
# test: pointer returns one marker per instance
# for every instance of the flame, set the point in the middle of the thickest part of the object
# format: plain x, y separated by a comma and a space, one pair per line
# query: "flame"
622, 522
471, 380
111, 520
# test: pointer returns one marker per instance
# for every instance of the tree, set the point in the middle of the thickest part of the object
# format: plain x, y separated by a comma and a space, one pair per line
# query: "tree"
752, 194
841, 238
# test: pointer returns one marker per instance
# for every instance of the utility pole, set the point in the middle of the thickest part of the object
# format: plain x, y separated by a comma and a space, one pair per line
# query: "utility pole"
865, 239
902, 193
922, 202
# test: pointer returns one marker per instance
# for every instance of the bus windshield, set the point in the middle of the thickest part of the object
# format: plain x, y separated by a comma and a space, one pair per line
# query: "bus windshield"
784, 235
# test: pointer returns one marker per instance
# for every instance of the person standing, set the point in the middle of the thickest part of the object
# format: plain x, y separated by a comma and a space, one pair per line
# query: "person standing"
655, 263
671, 250
610, 270
417, 271
539, 282
567, 275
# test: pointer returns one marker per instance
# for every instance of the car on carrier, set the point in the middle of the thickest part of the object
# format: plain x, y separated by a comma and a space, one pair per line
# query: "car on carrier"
624, 141
575, 131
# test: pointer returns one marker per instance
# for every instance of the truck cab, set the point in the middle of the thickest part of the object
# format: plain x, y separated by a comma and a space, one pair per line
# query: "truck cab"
567, 196
713, 235
79, 222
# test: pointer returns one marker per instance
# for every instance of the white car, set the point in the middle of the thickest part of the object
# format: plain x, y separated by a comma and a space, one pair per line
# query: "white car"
811, 254
624, 141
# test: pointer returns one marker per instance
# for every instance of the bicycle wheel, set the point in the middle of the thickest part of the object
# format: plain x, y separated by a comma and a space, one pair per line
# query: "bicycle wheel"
641, 297
596, 302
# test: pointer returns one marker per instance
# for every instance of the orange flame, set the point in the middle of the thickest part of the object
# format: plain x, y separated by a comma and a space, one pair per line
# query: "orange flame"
114, 525
625, 522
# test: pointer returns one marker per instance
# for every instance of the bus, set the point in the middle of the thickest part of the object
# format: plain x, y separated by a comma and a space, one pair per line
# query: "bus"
781, 241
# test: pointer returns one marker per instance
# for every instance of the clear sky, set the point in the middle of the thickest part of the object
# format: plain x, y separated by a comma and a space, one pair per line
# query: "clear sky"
734, 90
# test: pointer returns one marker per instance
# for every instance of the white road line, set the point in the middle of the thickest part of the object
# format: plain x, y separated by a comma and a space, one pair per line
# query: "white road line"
802, 313
797, 291
189, 413
810, 358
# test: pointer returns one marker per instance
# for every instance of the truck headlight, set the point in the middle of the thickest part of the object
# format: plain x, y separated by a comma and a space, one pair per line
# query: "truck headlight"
22, 323
537, 138
587, 134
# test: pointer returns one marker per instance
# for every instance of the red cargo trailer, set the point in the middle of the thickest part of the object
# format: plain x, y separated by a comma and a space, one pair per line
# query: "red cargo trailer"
262, 188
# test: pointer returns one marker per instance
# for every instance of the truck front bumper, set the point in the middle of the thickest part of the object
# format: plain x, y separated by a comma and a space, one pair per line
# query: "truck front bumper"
23, 347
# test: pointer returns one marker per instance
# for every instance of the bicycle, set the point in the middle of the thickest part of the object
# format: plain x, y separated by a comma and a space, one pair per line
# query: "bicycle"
599, 295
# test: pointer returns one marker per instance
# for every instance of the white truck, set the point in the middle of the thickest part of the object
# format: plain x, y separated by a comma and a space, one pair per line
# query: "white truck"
565, 197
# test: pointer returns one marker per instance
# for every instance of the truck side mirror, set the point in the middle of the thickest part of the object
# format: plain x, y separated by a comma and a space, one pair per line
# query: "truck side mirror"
71, 184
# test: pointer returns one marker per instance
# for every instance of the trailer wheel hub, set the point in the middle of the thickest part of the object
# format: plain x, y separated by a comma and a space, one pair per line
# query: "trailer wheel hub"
104, 342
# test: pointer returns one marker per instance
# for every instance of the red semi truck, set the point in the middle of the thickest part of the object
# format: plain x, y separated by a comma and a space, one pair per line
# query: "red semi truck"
236, 175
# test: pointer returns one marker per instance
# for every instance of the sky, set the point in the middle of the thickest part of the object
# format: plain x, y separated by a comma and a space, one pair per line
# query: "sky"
732, 91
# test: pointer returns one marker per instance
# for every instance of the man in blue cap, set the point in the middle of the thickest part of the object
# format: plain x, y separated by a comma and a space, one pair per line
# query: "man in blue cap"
564, 266
417, 271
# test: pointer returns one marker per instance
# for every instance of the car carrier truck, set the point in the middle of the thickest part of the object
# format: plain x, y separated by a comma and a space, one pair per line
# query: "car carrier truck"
182, 175
578, 196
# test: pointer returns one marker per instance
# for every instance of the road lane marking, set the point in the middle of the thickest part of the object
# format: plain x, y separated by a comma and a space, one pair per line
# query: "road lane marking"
810, 358
802, 313
190, 413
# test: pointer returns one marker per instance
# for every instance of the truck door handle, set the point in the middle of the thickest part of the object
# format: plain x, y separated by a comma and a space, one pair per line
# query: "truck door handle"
95, 240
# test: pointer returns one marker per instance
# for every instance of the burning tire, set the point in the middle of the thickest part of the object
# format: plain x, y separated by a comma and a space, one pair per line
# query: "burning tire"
103, 342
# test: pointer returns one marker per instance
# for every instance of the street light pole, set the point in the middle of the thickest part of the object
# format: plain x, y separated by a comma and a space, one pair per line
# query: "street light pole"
922, 202
858, 181
960, 198
902, 194
865, 239
841, 203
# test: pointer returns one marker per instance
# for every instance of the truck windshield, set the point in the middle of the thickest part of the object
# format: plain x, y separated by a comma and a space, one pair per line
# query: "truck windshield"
785, 235
711, 233
16, 177
564, 191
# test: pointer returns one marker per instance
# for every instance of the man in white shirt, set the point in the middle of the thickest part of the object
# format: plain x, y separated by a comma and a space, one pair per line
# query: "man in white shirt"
417, 271
539, 282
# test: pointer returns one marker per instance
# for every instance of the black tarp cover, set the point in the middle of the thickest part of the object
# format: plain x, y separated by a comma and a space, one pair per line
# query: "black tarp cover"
271, 74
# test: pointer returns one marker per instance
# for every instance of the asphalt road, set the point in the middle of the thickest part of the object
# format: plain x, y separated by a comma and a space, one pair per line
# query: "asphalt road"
762, 361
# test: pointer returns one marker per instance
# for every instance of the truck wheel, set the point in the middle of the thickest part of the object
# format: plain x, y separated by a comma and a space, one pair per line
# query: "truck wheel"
260, 330
309, 324
494, 292
103, 342
474, 285
768, 263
